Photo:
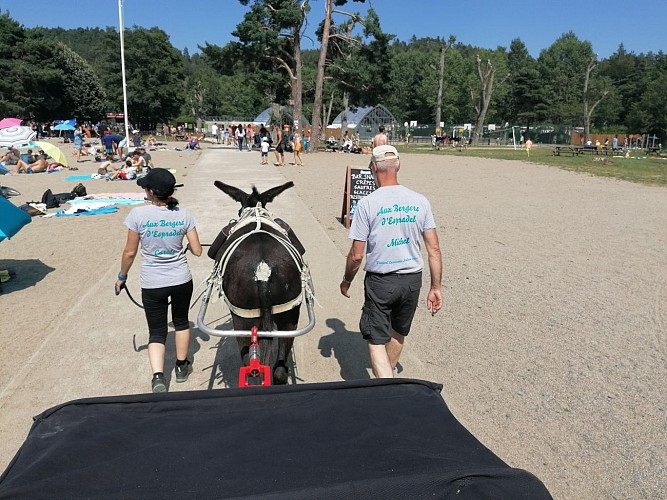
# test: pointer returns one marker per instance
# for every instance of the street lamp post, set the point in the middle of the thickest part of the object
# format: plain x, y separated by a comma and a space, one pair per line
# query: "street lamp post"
122, 68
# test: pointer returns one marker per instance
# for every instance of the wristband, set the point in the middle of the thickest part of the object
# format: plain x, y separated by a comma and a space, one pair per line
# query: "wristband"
346, 281
121, 277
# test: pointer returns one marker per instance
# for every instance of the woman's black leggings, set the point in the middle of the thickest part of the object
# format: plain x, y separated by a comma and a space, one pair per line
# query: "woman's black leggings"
155, 306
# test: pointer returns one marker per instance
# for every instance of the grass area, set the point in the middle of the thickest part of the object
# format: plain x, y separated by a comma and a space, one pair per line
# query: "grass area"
645, 170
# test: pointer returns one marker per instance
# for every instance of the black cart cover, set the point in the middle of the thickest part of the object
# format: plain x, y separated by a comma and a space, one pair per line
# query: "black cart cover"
376, 439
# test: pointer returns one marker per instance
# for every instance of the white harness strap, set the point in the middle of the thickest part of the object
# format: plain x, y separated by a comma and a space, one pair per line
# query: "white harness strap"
259, 216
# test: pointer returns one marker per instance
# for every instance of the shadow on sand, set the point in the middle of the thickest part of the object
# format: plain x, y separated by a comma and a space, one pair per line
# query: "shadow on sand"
349, 349
28, 272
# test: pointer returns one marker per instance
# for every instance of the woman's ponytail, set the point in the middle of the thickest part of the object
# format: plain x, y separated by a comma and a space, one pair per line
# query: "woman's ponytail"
171, 202
168, 199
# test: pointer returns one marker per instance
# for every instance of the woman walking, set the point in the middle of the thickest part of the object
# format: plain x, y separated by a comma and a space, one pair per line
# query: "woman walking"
298, 147
160, 228
78, 142
240, 134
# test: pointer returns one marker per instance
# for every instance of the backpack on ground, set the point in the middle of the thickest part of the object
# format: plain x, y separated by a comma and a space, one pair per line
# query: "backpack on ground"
79, 191
50, 200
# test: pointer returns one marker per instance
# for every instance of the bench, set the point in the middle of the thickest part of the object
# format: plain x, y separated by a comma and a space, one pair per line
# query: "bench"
565, 150
593, 150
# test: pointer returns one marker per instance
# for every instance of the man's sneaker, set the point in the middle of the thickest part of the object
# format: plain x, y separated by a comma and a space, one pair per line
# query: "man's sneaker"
183, 371
158, 383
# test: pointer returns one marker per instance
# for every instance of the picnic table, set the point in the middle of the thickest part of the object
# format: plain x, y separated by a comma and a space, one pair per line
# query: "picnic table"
580, 150
593, 150
565, 150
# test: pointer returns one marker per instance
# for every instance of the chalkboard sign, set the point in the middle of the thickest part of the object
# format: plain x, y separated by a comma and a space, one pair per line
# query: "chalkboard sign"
359, 182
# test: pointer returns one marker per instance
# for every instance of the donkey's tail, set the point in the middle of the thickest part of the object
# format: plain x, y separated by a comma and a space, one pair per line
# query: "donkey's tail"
265, 305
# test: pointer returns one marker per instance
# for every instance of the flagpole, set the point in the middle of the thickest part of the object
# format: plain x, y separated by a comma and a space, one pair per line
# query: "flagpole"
122, 69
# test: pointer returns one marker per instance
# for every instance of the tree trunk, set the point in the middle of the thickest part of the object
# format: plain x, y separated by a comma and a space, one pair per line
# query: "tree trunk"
297, 83
486, 78
588, 111
343, 117
316, 128
438, 106
587, 114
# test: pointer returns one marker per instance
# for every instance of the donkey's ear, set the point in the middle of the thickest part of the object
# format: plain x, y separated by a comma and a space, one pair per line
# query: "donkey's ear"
269, 195
233, 192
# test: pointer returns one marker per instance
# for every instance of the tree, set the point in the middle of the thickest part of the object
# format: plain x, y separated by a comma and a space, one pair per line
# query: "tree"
11, 90
523, 103
588, 108
482, 99
316, 121
272, 30
561, 67
48, 79
155, 74
441, 79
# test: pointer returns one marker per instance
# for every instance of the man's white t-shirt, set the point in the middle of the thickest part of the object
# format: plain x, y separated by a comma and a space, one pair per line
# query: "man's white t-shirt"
391, 220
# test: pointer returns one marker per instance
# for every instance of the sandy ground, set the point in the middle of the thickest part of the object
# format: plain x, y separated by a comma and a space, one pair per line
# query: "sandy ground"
551, 344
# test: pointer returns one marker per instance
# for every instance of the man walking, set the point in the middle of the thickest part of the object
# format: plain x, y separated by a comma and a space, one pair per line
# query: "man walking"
387, 227
380, 138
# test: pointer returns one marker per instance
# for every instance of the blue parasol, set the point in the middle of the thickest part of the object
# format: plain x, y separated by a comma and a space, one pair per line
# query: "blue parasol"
64, 126
12, 219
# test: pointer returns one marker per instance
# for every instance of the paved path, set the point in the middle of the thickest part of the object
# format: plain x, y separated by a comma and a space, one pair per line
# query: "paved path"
98, 346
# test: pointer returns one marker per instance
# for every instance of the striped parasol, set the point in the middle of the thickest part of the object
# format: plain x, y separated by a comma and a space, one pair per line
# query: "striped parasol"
16, 136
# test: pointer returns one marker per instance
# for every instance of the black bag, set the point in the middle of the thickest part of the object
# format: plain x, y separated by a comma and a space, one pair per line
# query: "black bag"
50, 200
79, 190
64, 197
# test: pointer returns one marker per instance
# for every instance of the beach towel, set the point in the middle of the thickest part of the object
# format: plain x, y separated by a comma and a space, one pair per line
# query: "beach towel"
117, 196
116, 201
95, 211
86, 177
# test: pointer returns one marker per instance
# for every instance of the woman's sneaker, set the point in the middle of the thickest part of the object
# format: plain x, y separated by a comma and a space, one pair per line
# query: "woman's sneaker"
158, 383
183, 371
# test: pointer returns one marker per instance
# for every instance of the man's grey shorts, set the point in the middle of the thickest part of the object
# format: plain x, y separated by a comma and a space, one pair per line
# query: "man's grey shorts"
390, 303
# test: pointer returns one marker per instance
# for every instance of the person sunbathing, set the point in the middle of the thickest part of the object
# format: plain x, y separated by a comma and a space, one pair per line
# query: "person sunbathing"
151, 141
12, 158
41, 165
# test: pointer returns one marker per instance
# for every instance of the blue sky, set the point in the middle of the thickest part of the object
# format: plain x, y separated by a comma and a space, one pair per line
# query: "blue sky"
640, 26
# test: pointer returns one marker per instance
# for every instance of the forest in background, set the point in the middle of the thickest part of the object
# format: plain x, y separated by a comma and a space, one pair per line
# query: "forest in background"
58, 74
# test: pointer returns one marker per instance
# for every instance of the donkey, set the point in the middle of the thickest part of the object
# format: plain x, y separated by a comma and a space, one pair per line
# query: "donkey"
261, 275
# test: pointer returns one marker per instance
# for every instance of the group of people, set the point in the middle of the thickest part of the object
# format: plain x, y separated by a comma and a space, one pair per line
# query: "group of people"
137, 164
248, 136
387, 230
15, 162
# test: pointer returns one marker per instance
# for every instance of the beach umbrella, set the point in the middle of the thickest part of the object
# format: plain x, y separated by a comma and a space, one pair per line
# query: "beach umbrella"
12, 219
53, 151
10, 122
64, 126
16, 136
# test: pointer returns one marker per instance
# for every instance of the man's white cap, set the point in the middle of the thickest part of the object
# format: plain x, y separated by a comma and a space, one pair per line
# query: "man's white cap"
384, 152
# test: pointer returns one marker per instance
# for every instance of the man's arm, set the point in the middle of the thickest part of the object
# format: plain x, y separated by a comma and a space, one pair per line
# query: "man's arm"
434, 298
354, 258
